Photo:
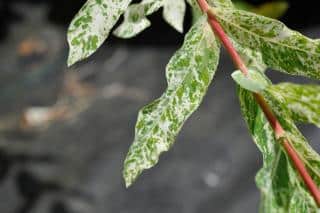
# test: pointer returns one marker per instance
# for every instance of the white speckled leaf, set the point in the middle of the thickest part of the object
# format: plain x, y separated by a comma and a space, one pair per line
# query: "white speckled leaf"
173, 13
282, 189
281, 48
135, 20
254, 81
214, 3
302, 100
92, 25
221, 3
253, 59
196, 12
189, 74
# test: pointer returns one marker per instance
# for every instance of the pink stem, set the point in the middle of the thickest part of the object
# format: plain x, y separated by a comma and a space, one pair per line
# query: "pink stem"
272, 119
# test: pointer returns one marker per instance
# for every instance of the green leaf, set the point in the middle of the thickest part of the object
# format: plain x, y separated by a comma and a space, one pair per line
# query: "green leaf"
281, 48
274, 9
302, 100
189, 74
91, 27
135, 20
254, 81
282, 189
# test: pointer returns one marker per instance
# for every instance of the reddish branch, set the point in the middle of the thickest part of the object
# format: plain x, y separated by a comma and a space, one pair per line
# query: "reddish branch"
274, 122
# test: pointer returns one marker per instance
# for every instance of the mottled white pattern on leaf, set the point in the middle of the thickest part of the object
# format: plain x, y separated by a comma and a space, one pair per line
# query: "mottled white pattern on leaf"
303, 101
221, 3
281, 48
173, 13
282, 189
135, 20
189, 74
91, 27
253, 81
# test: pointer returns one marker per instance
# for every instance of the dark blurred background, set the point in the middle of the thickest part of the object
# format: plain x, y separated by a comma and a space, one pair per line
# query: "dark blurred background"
64, 132
299, 15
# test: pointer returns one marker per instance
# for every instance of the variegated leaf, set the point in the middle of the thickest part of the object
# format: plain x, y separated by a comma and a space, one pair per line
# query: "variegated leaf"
221, 3
302, 100
254, 81
92, 25
281, 48
282, 189
189, 74
135, 20
213, 3
196, 11
173, 13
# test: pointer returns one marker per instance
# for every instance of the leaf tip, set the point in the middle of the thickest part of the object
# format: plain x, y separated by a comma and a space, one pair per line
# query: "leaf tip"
129, 176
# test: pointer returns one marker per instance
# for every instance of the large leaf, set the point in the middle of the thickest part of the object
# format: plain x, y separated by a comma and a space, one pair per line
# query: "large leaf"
135, 20
281, 48
302, 100
281, 187
189, 74
92, 25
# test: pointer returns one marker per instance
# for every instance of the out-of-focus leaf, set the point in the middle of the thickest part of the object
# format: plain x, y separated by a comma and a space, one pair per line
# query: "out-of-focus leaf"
281, 48
302, 100
274, 9
91, 27
254, 81
243, 5
189, 74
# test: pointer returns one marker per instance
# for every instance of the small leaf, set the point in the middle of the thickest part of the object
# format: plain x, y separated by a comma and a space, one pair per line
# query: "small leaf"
135, 20
253, 82
189, 74
302, 100
91, 27
173, 13
281, 48
281, 187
